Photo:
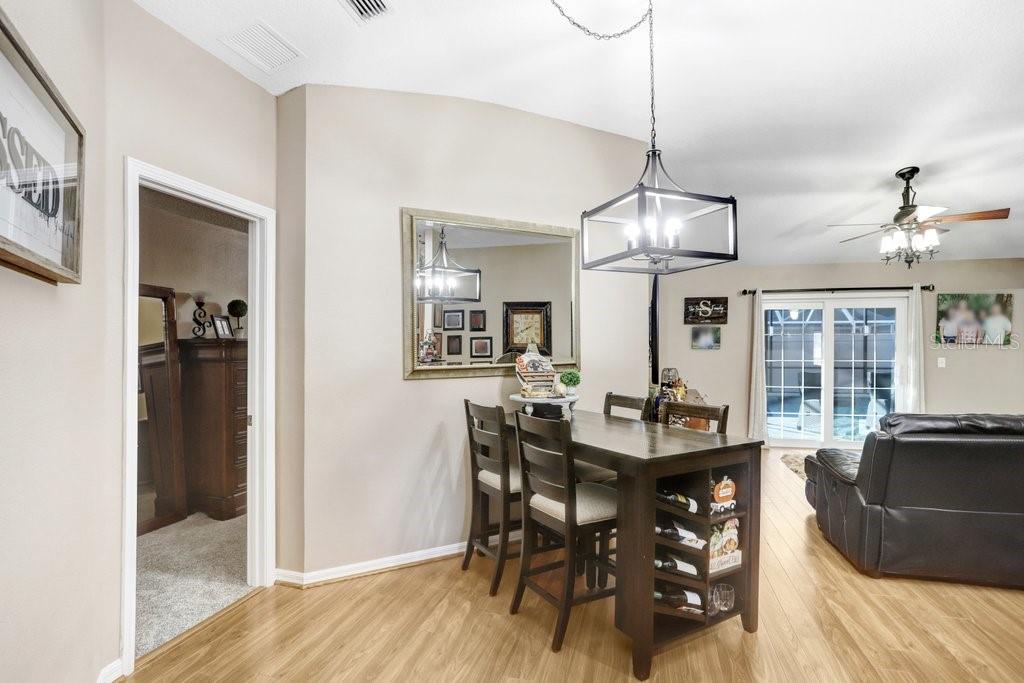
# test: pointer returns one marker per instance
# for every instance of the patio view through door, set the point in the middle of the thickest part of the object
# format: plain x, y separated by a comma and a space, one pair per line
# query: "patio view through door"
832, 366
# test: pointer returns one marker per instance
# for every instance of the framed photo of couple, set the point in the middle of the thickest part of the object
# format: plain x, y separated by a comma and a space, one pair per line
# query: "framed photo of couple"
974, 319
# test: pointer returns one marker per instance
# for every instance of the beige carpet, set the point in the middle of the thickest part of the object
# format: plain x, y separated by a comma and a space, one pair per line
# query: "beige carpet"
795, 463
187, 571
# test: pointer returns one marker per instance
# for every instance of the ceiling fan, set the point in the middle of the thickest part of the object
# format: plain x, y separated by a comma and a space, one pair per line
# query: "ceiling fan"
915, 229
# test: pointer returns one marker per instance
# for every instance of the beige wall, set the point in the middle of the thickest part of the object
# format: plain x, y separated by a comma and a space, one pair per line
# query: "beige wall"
985, 379
189, 256
385, 458
60, 428
291, 319
140, 89
537, 272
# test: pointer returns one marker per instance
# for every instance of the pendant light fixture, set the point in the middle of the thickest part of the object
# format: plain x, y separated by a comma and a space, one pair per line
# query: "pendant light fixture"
656, 227
442, 280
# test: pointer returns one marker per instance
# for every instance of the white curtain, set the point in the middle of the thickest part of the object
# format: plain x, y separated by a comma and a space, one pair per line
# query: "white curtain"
755, 415
911, 389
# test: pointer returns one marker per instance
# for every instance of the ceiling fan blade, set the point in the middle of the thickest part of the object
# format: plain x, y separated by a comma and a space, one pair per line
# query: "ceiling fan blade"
994, 214
867, 234
850, 225
923, 213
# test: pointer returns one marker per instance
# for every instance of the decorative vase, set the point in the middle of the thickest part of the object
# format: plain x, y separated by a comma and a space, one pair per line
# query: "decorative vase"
571, 391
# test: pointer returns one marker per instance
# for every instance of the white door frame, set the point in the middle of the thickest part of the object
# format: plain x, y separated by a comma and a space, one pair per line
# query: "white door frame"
261, 543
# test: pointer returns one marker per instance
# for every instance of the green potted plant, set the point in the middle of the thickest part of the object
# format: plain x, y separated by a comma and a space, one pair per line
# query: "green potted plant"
571, 379
238, 309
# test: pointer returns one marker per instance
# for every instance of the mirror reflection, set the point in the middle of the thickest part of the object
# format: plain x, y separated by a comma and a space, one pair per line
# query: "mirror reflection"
484, 293
161, 490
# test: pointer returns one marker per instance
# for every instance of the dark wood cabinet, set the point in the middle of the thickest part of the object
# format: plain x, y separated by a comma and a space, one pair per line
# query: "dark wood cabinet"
214, 386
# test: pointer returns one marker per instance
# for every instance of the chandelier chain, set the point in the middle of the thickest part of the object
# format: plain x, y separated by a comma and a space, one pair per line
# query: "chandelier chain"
648, 17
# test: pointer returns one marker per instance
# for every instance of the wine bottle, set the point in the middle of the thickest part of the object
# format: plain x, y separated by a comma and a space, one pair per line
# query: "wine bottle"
668, 532
681, 535
678, 499
688, 600
675, 564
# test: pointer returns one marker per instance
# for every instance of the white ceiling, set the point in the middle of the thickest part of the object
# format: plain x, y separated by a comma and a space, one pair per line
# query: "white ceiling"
802, 109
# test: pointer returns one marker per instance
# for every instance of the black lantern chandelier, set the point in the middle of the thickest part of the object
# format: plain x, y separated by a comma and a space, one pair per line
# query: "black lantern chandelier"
657, 227
442, 280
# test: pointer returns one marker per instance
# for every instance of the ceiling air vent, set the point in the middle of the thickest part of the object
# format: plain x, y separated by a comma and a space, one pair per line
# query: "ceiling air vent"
261, 46
364, 10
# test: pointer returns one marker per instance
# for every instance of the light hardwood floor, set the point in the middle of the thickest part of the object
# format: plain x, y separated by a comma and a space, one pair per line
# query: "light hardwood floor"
820, 620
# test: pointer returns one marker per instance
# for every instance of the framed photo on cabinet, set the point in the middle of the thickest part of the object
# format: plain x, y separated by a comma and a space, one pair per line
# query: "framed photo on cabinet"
41, 153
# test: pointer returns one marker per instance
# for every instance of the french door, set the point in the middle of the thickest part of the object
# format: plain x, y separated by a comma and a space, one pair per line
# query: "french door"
832, 366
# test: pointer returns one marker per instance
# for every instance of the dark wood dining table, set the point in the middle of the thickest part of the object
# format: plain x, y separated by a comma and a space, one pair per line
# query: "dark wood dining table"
641, 453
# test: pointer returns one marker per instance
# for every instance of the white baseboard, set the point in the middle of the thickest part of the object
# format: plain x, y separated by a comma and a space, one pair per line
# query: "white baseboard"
369, 567
110, 673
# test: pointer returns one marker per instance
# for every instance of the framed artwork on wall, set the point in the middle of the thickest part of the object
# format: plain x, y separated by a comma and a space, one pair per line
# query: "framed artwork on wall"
527, 322
973, 319
222, 327
706, 310
454, 320
454, 345
478, 321
41, 161
706, 338
437, 343
438, 319
481, 347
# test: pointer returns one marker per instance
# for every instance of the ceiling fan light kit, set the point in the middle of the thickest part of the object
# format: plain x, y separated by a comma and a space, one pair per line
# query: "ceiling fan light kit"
914, 232
656, 227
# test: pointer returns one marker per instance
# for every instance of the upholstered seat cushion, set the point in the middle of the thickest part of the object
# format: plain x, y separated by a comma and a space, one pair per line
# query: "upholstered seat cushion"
843, 464
587, 472
594, 503
515, 480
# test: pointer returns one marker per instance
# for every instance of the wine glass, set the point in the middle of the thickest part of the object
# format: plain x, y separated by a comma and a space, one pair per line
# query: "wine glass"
724, 596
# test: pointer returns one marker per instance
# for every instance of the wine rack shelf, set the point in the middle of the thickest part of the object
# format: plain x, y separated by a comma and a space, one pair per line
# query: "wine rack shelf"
696, 485
679, 614
696, 583
706, 520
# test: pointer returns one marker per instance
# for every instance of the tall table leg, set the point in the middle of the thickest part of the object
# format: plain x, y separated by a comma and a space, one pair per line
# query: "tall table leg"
634, 567
754, 545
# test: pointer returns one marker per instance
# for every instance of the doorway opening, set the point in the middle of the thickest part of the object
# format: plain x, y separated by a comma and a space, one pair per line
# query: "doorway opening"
833, 366
199, 405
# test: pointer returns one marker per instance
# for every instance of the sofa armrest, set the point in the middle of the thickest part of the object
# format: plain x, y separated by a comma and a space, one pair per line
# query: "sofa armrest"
842, 464
875, 461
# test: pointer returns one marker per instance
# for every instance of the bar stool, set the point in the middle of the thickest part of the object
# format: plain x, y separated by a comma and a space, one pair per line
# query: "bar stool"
553, 500
613, 400
693, 415
493, 474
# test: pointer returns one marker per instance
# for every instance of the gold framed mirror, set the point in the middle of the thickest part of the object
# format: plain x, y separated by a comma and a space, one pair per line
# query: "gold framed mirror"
477, 291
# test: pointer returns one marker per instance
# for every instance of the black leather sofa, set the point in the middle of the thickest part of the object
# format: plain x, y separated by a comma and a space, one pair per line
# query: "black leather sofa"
936, 496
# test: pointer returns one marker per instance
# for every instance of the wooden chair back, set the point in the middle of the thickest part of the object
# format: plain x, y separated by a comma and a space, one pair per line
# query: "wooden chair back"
694, 416
547, 466
613, 400
487, 440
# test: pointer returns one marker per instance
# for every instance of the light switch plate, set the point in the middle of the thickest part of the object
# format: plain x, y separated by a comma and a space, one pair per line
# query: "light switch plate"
942, 361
